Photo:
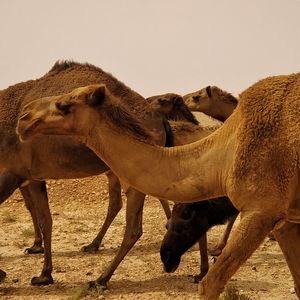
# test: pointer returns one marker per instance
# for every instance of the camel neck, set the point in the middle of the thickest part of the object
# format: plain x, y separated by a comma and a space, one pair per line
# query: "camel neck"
182, 174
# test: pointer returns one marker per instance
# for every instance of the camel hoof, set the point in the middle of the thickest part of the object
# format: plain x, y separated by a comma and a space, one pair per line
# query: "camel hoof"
2, 275
271, 236
34, 250
90, 248
42, 280
198, 278
98, 285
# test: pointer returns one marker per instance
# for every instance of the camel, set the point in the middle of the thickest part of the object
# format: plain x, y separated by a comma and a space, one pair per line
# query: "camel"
188, 224
25, 166
212, 101
252, 159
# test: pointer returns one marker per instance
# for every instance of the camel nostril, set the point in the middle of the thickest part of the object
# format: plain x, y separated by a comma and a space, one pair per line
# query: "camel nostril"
196, 98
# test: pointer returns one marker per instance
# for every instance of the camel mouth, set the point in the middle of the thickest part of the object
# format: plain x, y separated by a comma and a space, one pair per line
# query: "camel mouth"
171, 264
24, 132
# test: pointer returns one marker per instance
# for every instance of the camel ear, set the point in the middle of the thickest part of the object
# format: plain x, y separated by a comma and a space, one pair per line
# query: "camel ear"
208, 91
177, 100
97, 96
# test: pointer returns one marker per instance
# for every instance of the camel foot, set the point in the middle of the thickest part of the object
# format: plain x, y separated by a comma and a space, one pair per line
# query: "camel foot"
35, 249
198, 278
98, 285
42, 280
2, 275
91, 248
271, 236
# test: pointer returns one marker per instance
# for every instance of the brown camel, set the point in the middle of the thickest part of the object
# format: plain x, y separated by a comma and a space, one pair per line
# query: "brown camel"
252, 158
212, 101
24, 165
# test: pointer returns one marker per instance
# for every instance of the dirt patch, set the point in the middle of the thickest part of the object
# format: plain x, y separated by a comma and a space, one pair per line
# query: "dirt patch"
78, 208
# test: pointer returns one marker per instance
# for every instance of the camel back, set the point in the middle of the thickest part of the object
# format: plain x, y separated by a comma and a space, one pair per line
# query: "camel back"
65, 77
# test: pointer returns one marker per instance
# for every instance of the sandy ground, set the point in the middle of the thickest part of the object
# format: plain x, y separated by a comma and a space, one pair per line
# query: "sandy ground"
78, 208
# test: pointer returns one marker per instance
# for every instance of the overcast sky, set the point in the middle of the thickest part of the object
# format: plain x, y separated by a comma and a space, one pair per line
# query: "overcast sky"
153, 46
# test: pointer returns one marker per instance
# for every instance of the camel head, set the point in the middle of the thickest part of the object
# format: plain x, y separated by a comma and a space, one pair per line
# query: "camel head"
172, 107
78, 113
212, 101
184, 229
66, 114
165, 103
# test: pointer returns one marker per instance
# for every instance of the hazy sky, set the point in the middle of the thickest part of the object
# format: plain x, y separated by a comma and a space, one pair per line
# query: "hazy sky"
153, 46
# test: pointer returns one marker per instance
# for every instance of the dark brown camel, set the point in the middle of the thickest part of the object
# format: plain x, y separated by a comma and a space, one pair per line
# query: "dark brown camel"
26, 165
188, 224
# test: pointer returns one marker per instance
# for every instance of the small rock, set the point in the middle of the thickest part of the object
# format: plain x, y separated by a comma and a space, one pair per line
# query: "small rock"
15, 280
254, 268
89, 273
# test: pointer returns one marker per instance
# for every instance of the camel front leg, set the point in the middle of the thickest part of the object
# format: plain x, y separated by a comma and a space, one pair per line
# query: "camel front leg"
249, 234
288, 238
133, 231
9, 182
114, 206
37, 246
37, 192
217, 249
203, 258
166, 207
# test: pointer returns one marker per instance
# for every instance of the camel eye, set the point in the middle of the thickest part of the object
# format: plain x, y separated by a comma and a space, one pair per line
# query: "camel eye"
64, 107
163, 102
196, 98
186, 214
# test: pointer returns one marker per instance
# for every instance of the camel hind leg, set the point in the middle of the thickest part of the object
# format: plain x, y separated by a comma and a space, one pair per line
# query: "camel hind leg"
248, 235
288, 238
133, 231
114, 206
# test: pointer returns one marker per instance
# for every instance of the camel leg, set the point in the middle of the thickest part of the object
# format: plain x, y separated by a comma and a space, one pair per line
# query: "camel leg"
9, 182
288, 238
38, 240
249, 234
166, 207
217, 249
133, 231
114, 206
203, 258
2, 275
37, 192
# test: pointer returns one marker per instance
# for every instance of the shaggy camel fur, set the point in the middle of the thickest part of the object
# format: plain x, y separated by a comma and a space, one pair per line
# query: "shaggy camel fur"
63, 157
252, 158
212, 101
